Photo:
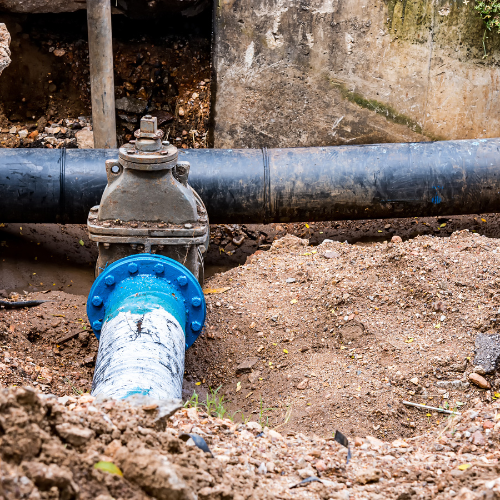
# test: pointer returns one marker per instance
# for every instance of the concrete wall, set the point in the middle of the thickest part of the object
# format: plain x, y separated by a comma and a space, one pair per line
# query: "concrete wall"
327, 72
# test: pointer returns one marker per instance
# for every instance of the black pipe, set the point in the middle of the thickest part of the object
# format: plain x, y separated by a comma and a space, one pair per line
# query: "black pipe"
278, 185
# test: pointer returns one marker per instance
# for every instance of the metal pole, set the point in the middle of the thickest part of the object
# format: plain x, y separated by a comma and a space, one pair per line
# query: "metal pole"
101, 73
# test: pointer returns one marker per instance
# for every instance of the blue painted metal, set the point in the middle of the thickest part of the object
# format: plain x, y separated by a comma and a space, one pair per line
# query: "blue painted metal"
147, 281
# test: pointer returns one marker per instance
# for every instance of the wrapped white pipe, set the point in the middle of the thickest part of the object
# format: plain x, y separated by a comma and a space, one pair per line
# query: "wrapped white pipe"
140, 354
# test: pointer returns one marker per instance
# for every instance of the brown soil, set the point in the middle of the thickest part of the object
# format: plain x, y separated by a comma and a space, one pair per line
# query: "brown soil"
162, 68
68, 448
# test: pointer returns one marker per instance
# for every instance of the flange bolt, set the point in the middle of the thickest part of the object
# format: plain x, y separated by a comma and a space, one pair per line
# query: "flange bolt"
196, 301
159, 268
96, 301
196, 326
109, 280
182, 280
132, 268
96, 326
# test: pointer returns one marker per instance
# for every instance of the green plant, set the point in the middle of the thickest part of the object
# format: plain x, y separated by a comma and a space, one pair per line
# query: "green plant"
193, 401
215, 403
489, 10
264, 419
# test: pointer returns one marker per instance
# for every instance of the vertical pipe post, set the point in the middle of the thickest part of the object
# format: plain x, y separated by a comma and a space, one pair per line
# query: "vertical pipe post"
101, 73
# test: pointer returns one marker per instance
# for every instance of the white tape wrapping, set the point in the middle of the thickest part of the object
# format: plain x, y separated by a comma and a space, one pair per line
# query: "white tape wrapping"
140, 354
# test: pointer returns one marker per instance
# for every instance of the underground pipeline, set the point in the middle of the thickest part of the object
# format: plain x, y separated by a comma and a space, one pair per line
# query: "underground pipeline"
145, 310
273, 185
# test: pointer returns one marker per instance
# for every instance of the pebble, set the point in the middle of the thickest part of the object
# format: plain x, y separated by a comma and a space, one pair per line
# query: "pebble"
477, 438
370, 475
303, 385
181, 112
396, 239
247, 365
23, 134
479, 381
414, 380
59, 52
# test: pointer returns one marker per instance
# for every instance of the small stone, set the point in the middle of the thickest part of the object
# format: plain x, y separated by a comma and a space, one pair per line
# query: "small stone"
247, 365
270, 466
130, 105
358, 442
303, 385
12, 130
73, 434
307, 472
481, 382
487, 351
262, 468
414, 380
488, 424
254, 376
59, 52
23, 134
320, 466
195, 95
274, 434
479, 370
369, 475
396, 239
331, 255
291, 280
254, 426
478, 438
181, 112
85, 139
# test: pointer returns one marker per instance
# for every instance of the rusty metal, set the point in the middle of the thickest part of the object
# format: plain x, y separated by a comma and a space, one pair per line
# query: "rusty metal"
101, 73
148, 205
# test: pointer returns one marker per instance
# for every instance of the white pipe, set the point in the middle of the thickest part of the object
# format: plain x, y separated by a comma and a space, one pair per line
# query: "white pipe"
140, 353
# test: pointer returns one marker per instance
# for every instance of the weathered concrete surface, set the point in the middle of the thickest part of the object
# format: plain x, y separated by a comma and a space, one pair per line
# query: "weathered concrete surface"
4, 47
326, 72
134, 8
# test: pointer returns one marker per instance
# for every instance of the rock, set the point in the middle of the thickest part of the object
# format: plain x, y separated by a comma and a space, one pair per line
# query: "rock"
262, 469
303, 385
247, 365
396, 239
181, 112
4, 47
41, 6
487, 351
307, 472
331, 255
479, 370
414, 380
59, 52
274, 434
369, 475
466, 494
130, 105
254, 376
477, 438
270, 466
47, 476
291, 280
154, 473
358, 441
254, 426
74, 435
479, 381
85, 139
320, 466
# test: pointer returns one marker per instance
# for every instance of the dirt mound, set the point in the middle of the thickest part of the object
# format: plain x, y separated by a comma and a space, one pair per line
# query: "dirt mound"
336, 336
68, 448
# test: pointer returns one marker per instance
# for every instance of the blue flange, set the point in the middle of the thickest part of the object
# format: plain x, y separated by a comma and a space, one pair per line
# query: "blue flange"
153, 277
